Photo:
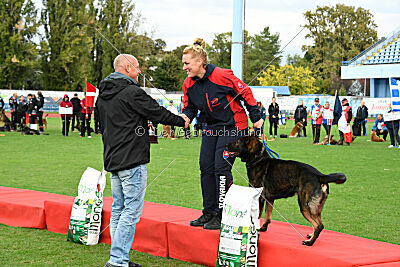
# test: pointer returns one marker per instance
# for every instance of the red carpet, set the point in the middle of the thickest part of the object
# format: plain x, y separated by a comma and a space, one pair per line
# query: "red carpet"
164, 231
151, 231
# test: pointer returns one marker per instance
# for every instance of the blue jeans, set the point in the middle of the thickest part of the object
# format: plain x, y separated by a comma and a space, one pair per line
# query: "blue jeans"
128, 190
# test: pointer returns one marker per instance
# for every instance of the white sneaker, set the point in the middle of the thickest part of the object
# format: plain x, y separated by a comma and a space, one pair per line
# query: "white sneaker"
89, 136
390, 146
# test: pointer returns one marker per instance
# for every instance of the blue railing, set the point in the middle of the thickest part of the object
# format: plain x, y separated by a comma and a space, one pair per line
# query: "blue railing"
346, 63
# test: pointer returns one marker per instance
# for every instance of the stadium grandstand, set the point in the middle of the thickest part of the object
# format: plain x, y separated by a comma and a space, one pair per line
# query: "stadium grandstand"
376, 64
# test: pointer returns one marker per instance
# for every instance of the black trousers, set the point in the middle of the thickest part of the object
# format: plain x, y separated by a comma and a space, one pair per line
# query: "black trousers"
385, 133
273, 122
216, 176
20, 120
75, 115
32, 119
65, 124
304, 126
155, 125
316, 132
85, 123
363, 127
327, 128
14, 118
40, 119
394, 132
96, 126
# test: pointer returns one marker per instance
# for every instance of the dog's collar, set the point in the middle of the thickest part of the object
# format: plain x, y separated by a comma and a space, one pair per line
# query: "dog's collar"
257, 159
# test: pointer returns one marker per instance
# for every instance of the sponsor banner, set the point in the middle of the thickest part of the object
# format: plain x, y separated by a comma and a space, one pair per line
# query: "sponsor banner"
375, 106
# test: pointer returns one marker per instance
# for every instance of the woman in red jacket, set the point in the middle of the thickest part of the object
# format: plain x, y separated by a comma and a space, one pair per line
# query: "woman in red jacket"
65, 103
217, 93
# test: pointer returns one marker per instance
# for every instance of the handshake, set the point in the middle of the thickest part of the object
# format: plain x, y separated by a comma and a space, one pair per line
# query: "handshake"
187, 120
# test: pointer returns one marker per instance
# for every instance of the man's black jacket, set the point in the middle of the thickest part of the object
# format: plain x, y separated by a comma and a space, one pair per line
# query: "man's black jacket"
76, 104
124, 111
362, 113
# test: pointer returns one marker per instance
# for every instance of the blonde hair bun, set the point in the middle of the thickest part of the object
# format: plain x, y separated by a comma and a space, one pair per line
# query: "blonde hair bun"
200, 42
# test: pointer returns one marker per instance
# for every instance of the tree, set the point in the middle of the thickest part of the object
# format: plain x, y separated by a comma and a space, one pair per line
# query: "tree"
259, 51
66, 46
219, 52
339, 33
18, 53
168, 74
262, 50
299, 79
297, 61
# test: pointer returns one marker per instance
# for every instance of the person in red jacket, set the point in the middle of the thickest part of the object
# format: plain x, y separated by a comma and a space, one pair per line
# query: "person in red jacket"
218, 94
65, 103
86, 116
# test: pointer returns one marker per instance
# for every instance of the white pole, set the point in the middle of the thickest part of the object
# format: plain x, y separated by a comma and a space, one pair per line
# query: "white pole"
237, 38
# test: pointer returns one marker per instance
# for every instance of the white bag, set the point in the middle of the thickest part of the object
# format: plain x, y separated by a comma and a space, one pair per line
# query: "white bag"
85, 221
240, 227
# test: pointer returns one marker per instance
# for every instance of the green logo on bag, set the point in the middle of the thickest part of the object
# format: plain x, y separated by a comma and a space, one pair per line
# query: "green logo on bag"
229, 211
85, 189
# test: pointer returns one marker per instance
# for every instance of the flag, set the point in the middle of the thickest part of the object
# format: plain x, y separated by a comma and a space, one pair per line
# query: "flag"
91, 94
395, 94
337, 110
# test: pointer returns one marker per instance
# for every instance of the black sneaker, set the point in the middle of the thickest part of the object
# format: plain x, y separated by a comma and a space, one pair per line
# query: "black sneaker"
132, 264
109, 265
214, 223
204, 218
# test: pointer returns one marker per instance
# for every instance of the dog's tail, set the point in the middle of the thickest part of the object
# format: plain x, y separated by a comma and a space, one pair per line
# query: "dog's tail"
338, 178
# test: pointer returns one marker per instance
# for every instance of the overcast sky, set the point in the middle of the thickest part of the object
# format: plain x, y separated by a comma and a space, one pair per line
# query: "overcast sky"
179, 21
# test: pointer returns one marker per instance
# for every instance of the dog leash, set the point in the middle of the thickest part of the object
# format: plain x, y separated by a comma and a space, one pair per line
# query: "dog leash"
272, 153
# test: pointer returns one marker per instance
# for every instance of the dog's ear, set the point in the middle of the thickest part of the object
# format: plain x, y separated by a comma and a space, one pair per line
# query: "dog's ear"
253, 144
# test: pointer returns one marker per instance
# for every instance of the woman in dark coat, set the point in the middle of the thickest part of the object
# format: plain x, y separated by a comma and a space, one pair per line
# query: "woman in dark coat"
301, 115
273, 111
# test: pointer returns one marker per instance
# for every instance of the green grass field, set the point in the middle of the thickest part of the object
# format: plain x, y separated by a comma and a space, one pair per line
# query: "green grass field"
367, 205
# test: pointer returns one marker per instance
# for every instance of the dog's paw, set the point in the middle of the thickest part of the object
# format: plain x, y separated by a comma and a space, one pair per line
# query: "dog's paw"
307, 243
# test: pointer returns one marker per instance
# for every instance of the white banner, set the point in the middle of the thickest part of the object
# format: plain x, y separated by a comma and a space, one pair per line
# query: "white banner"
64, 111
392, 116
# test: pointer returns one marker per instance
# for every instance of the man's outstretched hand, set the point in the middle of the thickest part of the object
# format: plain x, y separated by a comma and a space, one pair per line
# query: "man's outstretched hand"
187, 120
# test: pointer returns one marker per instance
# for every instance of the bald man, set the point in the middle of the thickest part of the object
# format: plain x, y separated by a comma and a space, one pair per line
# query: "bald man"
124, 110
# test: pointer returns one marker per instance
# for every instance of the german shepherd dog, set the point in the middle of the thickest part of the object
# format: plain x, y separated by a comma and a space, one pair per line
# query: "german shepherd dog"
296, 131
285, 178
